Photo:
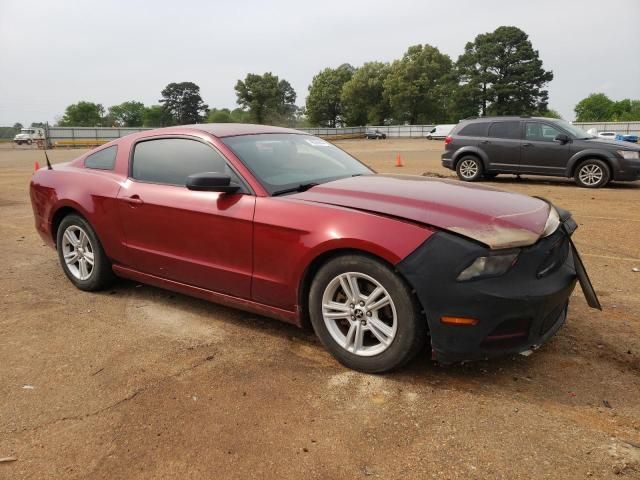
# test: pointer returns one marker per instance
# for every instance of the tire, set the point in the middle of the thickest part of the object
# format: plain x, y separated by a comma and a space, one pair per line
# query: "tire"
592, 173
429, 137
76, 236
469, 168
19, 142
360, 335
29, 142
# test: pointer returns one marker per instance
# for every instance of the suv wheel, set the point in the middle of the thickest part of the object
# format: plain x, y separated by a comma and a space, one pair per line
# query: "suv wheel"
592, 174
469, 168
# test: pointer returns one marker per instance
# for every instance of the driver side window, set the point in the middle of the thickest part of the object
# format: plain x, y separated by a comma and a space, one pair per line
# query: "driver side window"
171, 160
540, 132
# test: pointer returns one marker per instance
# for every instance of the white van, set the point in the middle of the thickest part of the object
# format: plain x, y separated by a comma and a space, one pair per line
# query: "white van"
439, 132
29, 135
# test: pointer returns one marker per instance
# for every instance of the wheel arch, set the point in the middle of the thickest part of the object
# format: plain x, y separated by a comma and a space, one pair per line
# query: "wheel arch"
317, 262
582, 157
476, 152
60, 213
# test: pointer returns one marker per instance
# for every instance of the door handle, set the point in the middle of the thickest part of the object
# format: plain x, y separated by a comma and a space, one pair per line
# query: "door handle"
133, 200
526, 145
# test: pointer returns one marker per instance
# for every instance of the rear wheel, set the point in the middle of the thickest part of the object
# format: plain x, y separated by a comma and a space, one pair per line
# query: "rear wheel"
469, 168
365, 315
592, 174
81, 255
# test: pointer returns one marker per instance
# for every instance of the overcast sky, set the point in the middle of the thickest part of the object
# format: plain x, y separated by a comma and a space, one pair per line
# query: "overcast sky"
54, 53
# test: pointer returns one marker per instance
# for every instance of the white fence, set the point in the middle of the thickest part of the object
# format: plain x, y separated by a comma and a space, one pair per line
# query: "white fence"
632, 128
83, 136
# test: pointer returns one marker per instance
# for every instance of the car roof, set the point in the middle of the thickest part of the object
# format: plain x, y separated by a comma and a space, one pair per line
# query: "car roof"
505, 117
233, 129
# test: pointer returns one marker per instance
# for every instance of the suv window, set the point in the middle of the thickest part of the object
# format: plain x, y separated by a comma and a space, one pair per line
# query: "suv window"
172, 160
509, 130
540, 132
105, 159
476, 129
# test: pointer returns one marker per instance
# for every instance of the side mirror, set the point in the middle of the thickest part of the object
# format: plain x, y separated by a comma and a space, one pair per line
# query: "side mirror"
211, 182
561, 138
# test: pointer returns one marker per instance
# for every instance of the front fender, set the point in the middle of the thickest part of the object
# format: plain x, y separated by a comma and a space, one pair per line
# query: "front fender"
608, 157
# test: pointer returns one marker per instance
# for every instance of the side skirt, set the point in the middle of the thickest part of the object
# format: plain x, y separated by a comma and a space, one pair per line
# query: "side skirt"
221, 298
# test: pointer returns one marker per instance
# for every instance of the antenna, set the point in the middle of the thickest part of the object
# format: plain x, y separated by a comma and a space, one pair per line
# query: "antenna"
47, 157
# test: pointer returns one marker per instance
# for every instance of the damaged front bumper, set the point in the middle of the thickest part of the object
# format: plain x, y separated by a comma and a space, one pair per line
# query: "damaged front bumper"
512, 313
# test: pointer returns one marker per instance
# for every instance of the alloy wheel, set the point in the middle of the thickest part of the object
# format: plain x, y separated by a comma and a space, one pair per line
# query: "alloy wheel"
359, 314
590, 174
469, 169
77, 252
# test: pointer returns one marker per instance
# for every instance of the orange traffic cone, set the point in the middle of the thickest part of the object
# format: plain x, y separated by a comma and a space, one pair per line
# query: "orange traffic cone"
37, 166
399, 161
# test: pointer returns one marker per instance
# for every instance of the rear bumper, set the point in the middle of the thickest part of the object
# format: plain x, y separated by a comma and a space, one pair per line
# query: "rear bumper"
515, 312
447, 161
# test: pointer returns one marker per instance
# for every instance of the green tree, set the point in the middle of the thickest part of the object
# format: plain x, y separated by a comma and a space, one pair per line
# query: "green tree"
550, 113
597, 107
127, 114
17, 126
267, 98
505, 73
418, 85
324, 103
239, 115
363, 98
626, 110
222, 115
184, 103
157, 116
83, 114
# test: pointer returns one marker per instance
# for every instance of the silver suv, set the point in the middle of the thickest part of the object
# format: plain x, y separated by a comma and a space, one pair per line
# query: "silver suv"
487, 146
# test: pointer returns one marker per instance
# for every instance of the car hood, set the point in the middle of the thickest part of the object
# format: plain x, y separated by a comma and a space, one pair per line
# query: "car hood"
610, 143
496, 218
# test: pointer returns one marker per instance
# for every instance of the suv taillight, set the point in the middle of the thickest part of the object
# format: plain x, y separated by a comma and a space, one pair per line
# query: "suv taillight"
448, 140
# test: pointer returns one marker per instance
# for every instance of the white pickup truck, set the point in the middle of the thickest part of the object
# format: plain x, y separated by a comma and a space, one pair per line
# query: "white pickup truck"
29, 135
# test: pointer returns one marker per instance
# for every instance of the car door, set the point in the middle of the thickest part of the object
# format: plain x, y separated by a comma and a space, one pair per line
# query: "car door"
502, 145
202, 239
540, 152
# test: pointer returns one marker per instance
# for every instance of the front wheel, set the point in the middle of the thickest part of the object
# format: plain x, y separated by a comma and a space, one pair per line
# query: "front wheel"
469, 169
365, 315
81, 255
592, 174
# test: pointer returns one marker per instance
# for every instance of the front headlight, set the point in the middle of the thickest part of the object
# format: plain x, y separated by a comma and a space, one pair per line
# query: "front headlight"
553, 220
490, 266
629, 155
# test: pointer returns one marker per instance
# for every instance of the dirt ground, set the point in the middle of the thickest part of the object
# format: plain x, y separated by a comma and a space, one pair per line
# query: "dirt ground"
138, 382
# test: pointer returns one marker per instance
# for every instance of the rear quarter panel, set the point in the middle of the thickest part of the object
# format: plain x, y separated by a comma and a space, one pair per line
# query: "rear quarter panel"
92, 193
289, 234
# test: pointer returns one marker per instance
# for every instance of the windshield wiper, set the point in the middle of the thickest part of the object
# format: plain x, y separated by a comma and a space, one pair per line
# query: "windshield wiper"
303, 187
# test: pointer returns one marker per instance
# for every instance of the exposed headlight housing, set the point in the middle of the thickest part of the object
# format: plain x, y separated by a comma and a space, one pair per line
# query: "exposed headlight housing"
629, 154
553, 220
489, 266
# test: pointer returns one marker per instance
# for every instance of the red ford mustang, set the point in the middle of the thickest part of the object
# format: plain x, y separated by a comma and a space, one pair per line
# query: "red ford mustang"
287, 225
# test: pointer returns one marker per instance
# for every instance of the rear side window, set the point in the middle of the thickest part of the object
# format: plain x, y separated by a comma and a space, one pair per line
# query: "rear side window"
477, 129
103, 160
172, 160
509, 130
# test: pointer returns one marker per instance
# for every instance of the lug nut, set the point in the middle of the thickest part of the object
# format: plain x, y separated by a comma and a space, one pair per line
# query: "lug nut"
361, 303
368, 314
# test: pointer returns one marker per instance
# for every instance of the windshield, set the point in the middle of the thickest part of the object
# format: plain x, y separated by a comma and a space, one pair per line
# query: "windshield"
576, 132
284, 161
